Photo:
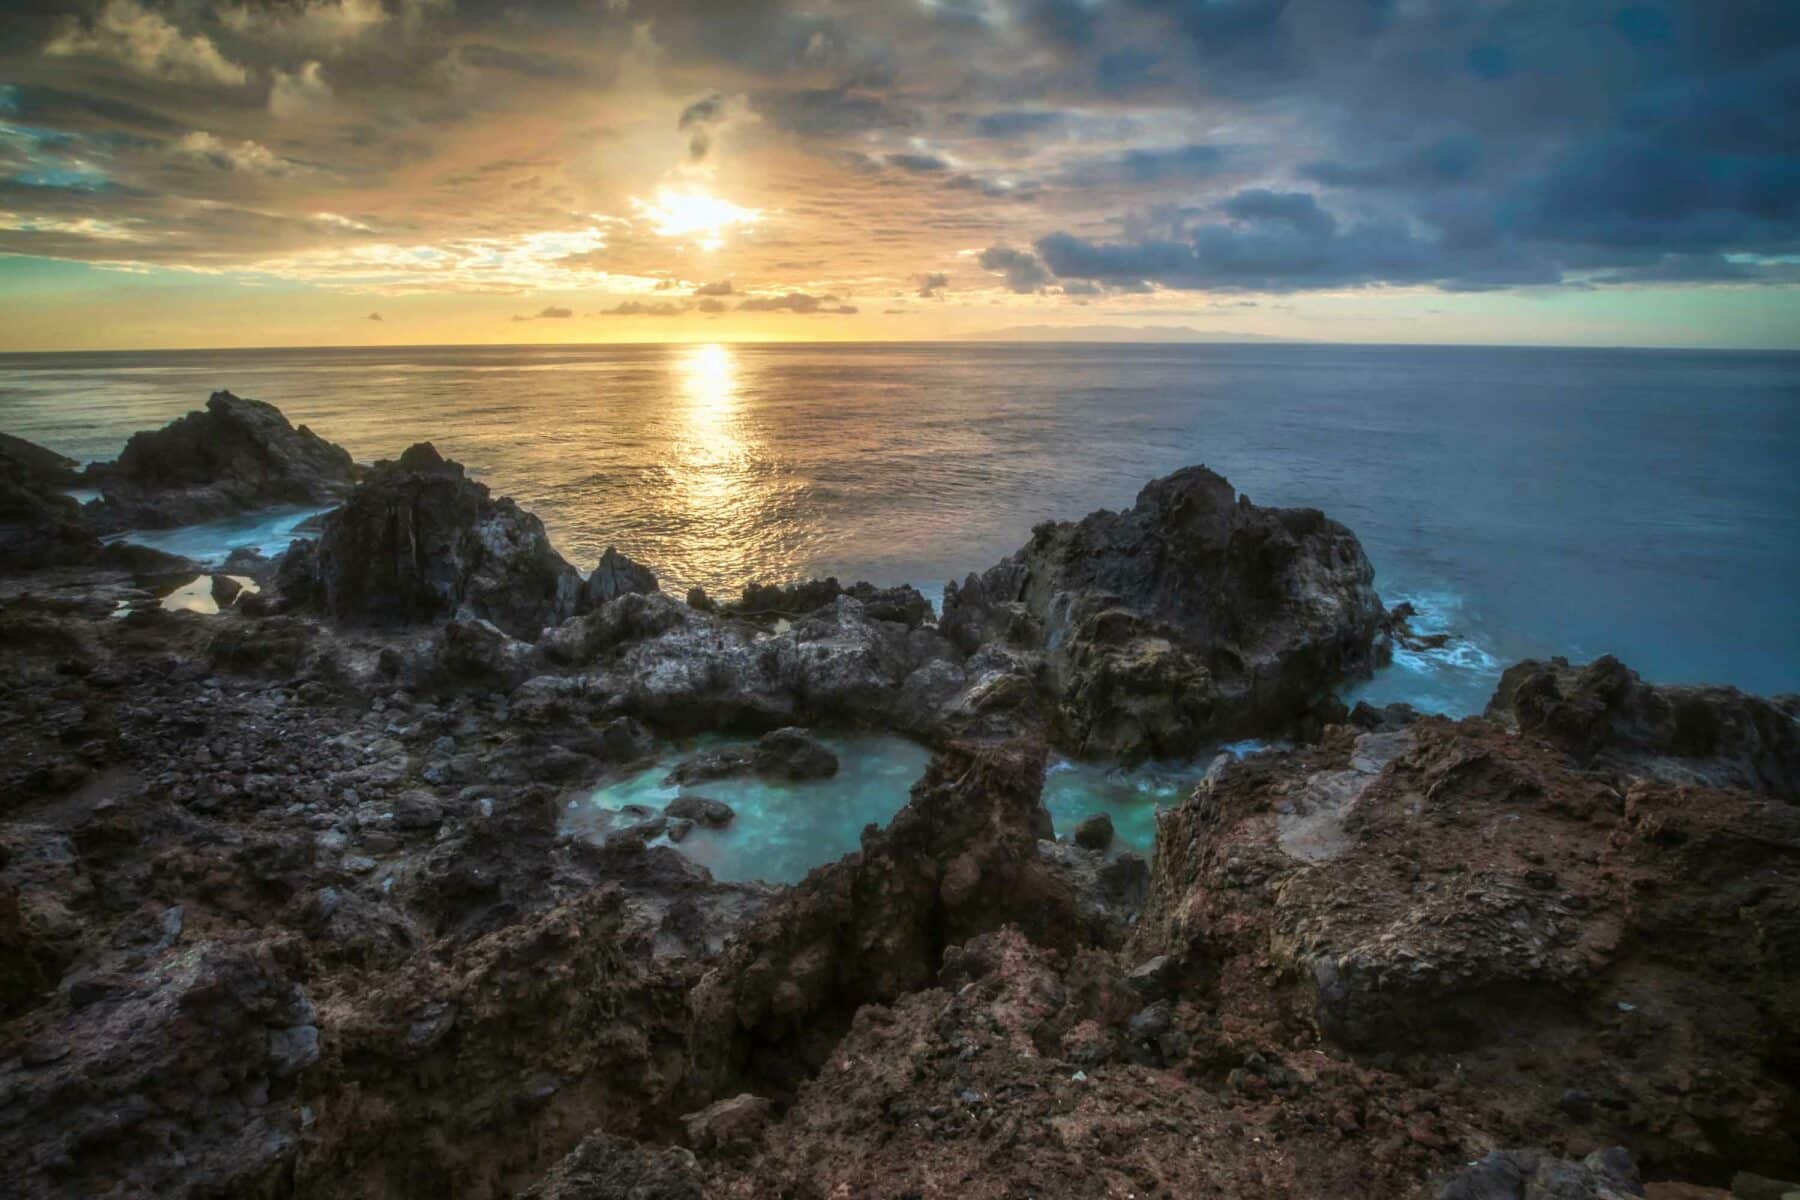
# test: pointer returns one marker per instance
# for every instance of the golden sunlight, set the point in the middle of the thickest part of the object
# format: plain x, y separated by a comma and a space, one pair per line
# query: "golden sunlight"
679, 214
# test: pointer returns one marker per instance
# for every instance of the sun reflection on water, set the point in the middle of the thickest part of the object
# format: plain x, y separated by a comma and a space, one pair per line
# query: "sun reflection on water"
710, 462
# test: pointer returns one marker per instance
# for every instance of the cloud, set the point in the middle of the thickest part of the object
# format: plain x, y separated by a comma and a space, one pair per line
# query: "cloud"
797, 302
822, 112
697, 121
721, 288
710, 305
1269, 241
918, 164
327, 25
1024, 272
1018, 123
643, 308
930, 286
550, 313
147, 43
246, 156
1445, 161
374, 316
1175, 164
296, 95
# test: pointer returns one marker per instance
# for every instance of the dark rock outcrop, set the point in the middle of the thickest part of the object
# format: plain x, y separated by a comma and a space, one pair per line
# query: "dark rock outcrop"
234, 456
418, 541
1193, 616
1713, 735
614, 576
903, 604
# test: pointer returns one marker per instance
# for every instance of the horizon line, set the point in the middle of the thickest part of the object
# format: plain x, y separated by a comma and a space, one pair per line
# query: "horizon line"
1272, 343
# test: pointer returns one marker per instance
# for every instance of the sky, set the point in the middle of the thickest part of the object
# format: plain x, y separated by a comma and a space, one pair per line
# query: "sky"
200, 173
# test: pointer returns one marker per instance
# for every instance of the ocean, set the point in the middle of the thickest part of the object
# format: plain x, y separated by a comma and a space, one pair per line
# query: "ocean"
1643, 503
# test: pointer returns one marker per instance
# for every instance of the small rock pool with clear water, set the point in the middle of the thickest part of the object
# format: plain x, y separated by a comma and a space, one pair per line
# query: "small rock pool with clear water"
784, 829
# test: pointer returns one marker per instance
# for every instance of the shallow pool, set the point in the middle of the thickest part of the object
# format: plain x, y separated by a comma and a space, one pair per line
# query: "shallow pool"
269, 530
782, 830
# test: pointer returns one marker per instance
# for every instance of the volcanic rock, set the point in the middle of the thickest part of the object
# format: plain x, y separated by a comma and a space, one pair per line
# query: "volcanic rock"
418, 541
234, 456
1193, 616
614, 576
1710, 735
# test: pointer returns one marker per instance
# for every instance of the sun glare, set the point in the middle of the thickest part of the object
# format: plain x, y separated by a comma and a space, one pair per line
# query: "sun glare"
694, 213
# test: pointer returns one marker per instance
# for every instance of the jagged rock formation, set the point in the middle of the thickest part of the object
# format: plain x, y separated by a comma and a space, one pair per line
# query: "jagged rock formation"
1712, 735
1193, 616
614, 576
39, 525
234, 456
419, 541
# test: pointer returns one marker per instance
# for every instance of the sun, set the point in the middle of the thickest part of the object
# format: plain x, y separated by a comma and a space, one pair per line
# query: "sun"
694, 213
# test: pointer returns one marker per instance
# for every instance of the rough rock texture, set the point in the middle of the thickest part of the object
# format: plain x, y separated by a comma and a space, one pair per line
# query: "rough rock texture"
1193, 616
234, 456
782, 753
902, 604
1710, 735
1533, 1175
1599, 956
688, 671
418, 541
614, 576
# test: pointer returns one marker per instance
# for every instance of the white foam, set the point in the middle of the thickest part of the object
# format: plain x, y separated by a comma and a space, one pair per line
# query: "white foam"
269, 530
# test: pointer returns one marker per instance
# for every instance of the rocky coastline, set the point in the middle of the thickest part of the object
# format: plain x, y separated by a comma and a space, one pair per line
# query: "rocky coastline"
287, 910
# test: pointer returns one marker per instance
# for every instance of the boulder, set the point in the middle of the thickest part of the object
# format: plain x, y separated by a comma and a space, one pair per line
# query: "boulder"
418, 541
603, 1167
234, 456
1193, 616
1095, 832
788, 753
614, 576
39, 525
903, 605
702, 810
732, 1124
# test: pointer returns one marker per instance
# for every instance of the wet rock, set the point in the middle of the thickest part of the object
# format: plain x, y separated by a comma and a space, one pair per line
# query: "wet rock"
234, 456
615, 576
715, 814
1095, 832
789, 753
418, 541
1192, 616
1386, 719
225, 590
39, 525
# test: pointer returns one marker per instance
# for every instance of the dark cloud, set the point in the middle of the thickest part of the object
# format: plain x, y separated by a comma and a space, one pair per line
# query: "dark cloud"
1018, 123
832, 112
797, 302
374, 316
697, 120
1024, 272
1446, 161
721, 288
932, 285
1179, 164
918, 164
550, 313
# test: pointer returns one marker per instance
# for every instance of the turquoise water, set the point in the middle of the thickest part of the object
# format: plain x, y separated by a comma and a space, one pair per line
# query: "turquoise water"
782, 830
1076, 790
